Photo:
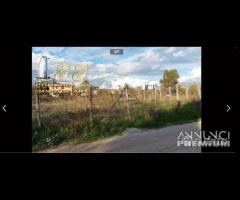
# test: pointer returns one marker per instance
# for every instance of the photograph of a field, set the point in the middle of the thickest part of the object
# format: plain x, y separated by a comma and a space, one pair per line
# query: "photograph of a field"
110, 91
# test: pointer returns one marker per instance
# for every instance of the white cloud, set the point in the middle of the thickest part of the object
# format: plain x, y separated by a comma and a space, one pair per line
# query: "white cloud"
138, 62
48, 50
99, 76
170, 50
186, 53
104, 67
52, 62
196, 72
134, 82
193, 76
143, 62
180, 53
35, 60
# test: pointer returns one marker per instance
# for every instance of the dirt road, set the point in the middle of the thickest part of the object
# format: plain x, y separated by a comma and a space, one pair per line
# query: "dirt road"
162, 140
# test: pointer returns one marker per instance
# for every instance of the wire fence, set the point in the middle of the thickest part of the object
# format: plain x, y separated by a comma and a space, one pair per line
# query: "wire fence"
97, 105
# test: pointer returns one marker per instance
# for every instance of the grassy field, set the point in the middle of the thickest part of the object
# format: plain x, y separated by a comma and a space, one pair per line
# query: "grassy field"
66, 120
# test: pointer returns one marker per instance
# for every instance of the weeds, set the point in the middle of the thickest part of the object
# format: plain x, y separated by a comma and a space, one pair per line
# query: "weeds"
72, 125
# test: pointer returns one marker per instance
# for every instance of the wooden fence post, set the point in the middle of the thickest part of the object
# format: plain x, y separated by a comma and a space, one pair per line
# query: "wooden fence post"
128, 112
155, 92
38, 108
160, 93
177, 93
144, 94
90, 105
187, 92
170, 92
199, 91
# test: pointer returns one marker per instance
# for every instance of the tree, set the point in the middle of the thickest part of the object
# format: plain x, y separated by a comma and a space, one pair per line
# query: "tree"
83, 87
126, 86
86, 83
170, 79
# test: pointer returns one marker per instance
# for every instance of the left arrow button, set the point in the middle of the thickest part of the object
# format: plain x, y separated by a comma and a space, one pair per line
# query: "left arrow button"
4, 108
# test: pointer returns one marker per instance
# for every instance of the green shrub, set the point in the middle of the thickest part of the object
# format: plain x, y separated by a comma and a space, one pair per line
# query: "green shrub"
72, 127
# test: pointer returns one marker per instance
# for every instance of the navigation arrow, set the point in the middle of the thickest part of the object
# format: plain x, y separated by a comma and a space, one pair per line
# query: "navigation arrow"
4, 108
228, 108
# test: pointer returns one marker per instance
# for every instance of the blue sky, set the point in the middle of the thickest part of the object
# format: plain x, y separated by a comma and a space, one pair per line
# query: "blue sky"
137, 66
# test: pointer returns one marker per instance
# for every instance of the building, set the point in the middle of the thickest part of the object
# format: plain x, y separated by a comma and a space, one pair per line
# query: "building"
60, 88
54, 88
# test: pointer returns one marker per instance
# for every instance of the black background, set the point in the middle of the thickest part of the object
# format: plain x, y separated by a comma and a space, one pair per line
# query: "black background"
218, 38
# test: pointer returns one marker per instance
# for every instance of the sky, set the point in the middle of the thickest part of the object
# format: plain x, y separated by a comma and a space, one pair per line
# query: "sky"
137, 66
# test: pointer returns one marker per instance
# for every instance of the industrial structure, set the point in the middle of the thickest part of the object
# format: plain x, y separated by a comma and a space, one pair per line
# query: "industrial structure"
53, 87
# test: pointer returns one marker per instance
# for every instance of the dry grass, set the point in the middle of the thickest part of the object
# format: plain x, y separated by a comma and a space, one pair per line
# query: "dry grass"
67, 118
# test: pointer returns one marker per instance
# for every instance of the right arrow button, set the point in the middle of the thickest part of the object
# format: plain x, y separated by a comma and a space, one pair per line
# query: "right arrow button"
228, 108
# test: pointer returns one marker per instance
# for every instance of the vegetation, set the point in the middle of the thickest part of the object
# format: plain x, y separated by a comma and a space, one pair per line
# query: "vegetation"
66, 120
170, 79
